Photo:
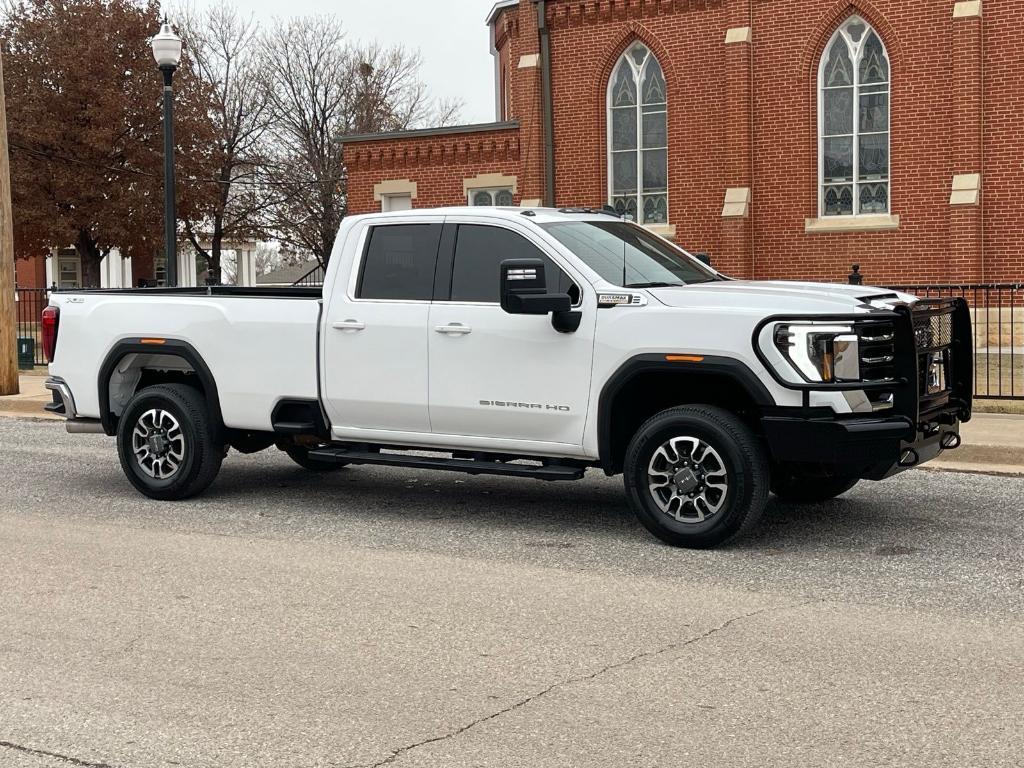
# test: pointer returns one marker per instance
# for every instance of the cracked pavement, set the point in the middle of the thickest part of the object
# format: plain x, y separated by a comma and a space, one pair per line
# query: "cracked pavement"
405, 618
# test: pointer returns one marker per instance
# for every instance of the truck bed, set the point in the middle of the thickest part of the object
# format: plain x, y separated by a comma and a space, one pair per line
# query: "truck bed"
257, 292
260, 344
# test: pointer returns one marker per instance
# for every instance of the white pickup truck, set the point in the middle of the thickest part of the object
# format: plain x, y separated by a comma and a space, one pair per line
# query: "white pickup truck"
532, 343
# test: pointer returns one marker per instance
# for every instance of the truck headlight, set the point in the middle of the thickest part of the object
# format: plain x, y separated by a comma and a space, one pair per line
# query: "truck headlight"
819, 352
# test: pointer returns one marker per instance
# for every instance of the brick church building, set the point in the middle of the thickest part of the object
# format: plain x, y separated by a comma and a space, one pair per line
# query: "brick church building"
785, 139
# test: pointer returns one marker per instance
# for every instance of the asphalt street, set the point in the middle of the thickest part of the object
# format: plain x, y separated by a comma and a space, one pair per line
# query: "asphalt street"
378, 616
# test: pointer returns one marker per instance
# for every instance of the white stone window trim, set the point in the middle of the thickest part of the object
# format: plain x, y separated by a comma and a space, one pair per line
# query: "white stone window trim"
610, 139
668, 231
490, 181
395, 187
822, 61
865, 222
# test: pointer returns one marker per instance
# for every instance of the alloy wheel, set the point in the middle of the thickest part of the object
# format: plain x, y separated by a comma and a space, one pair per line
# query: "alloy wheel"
688, 479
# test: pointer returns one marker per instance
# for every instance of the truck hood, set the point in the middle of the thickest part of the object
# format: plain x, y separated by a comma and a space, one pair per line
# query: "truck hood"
780, 297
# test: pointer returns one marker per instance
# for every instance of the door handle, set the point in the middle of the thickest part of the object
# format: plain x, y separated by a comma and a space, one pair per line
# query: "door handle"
454, 329
348, 325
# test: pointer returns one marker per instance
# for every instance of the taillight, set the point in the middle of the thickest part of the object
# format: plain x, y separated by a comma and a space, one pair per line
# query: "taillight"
50, 322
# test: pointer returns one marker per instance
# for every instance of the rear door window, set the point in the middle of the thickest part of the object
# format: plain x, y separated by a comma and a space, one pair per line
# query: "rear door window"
399, 262
479, 251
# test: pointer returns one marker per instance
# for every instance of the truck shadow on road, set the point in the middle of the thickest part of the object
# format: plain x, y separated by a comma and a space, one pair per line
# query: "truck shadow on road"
558, 512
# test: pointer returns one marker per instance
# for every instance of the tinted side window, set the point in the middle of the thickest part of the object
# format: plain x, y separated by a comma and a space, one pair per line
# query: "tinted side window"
479, 251
399, 262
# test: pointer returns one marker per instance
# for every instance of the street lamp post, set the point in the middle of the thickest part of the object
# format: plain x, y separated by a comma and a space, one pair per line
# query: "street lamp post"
167, 52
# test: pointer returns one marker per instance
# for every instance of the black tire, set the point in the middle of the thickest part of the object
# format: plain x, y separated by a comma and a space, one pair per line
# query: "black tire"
795, 486
747, 476
301, 456
202, 452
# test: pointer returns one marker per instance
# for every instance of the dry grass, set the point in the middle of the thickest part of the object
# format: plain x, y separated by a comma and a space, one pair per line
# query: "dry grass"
999, 375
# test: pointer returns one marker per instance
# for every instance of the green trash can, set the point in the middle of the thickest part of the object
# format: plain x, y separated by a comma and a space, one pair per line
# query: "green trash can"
26, 353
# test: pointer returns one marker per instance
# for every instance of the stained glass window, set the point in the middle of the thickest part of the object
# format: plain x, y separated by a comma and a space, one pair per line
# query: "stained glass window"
501, 196
853, 110
638, 137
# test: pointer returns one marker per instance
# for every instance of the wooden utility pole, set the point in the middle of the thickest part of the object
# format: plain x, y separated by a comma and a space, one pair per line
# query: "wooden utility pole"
8, 342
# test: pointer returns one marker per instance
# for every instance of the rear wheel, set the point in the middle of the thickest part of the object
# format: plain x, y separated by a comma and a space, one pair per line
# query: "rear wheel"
696, 476
167, 443
797, 486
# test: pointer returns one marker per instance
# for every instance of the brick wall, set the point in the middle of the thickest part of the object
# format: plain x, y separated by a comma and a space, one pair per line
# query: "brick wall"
438, 164
30, 272
1003, 190
745, 115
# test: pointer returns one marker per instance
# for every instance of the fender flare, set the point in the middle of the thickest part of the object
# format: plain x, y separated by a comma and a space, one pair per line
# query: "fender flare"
170, 348
708, 365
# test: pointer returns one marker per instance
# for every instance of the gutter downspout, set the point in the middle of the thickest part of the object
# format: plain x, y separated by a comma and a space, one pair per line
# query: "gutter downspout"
547, 106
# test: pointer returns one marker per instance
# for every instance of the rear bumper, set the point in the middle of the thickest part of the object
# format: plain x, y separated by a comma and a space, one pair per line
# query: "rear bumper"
63, 402
869, 448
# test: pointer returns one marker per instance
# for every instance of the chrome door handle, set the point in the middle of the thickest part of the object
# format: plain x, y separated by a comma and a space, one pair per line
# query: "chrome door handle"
348, 325
455, 329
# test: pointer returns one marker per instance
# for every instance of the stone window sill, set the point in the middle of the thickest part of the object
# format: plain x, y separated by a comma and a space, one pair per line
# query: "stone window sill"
851, 224
668, 231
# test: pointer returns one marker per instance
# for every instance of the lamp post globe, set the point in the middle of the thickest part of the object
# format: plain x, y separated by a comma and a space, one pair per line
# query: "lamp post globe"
167, 46
167, 52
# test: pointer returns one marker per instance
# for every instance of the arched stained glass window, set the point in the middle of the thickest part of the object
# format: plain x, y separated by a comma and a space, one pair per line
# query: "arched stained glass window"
853, 122
638, 137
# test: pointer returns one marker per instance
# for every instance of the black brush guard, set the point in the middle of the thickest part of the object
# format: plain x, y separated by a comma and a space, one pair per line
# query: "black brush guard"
918, 427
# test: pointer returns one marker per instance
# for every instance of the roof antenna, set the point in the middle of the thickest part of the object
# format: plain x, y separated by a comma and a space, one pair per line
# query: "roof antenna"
624, 264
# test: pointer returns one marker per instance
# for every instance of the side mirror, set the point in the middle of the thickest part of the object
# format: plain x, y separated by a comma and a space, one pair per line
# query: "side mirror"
524, 291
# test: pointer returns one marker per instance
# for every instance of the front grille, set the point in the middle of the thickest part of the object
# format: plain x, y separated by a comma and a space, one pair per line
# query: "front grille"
934, 332
878, 359
933, 338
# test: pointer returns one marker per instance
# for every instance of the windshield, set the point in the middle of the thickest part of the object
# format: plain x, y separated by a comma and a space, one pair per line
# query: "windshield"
629, 256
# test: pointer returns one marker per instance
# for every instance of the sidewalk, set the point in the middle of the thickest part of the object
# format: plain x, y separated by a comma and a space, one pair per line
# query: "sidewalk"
992, 442
32, 398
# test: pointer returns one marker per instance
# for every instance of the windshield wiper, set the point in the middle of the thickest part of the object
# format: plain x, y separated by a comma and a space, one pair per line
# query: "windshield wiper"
654, 285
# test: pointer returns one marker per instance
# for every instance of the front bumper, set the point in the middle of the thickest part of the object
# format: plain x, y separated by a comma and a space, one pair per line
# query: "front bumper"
869, 448
926, 409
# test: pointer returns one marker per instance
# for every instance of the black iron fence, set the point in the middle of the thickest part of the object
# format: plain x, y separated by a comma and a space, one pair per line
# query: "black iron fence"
28, 307
312, 279
997, 315
997, 312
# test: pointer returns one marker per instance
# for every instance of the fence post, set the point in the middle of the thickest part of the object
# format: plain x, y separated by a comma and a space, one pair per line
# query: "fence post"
855, 277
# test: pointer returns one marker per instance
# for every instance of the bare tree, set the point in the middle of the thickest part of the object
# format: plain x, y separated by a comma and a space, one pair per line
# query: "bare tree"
225, 52
304, 60
322, 88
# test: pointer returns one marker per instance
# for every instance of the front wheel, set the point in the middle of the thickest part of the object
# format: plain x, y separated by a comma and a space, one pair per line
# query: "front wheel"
167, 443
801, 487
696, 476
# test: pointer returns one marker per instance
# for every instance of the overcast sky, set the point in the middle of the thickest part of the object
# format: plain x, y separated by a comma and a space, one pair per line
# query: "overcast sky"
451, 36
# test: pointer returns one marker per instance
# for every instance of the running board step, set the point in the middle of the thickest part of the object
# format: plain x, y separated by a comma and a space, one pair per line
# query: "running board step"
469, 466
295, 428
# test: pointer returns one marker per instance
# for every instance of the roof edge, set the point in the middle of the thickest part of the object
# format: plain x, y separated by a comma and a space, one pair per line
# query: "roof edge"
442, 131
499, 6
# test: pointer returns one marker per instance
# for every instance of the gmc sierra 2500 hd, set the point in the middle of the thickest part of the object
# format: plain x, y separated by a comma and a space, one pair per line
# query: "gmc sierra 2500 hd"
533, 343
